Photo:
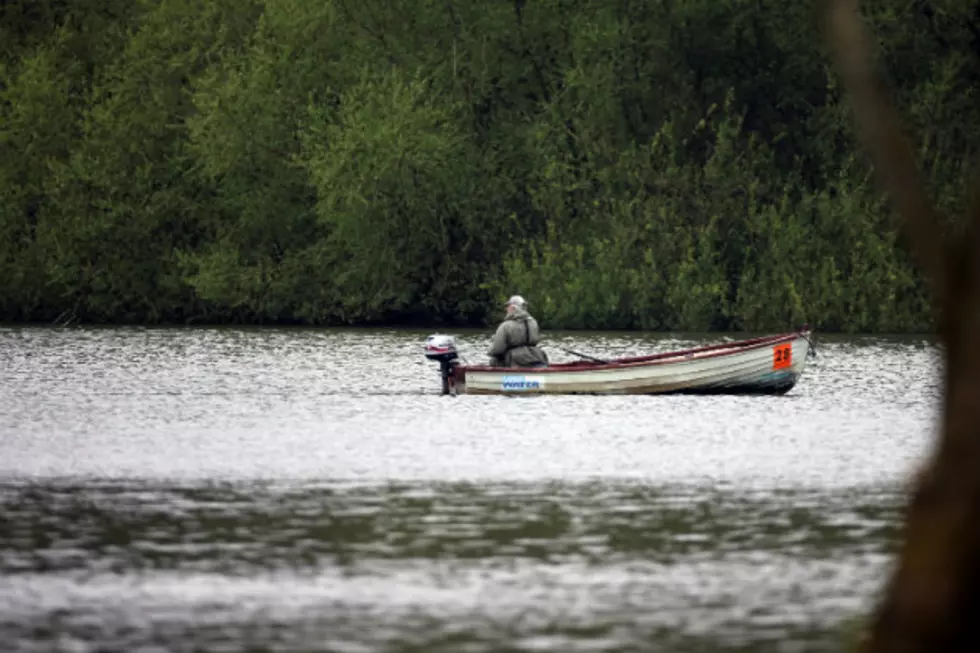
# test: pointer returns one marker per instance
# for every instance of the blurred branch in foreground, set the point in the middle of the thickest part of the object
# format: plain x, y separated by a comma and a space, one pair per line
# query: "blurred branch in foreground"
932, 599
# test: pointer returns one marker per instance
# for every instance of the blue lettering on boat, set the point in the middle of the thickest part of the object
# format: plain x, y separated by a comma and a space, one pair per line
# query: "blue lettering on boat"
520, 383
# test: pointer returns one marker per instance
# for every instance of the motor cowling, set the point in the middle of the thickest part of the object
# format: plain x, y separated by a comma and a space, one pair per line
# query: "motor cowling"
442, 349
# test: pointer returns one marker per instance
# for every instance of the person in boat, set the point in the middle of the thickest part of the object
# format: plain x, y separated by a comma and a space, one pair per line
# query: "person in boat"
515, 343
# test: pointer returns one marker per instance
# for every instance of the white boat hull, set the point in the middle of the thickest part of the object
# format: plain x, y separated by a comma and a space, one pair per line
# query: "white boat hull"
772, 366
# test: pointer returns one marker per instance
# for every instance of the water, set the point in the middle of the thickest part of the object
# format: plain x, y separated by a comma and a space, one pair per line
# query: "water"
308, 490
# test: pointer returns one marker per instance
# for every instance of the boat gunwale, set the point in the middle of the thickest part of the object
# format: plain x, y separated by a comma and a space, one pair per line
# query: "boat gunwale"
711, 351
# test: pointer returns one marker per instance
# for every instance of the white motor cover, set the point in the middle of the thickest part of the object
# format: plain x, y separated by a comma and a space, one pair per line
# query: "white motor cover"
439, 345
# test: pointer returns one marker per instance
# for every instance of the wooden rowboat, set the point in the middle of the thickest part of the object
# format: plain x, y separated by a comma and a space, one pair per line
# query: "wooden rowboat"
767, 365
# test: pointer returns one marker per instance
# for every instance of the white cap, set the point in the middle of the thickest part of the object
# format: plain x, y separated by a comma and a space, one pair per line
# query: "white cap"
516, 300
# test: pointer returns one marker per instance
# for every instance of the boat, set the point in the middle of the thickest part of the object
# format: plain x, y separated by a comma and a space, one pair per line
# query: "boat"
768, 365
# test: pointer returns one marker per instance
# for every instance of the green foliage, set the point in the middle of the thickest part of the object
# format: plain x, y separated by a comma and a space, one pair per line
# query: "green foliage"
683, 166
383, 195
257, 257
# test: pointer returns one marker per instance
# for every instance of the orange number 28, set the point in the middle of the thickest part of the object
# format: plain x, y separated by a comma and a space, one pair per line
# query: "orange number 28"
782, 356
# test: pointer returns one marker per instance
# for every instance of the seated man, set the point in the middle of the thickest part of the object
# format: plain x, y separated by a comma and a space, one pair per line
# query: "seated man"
516, 339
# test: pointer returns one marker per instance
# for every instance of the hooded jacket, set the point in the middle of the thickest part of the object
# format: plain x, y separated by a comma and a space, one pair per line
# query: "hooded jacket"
515, 342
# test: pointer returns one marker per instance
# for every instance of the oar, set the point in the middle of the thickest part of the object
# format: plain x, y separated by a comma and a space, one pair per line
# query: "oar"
580, 354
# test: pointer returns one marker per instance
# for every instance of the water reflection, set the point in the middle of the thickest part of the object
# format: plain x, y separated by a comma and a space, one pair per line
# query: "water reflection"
586, 566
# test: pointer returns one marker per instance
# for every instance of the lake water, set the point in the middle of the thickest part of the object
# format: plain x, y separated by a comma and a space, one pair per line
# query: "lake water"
309, 490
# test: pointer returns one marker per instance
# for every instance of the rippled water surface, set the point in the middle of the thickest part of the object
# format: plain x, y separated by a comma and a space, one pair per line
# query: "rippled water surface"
309, 490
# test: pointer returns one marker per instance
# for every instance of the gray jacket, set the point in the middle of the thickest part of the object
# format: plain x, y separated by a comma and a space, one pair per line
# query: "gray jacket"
515, 342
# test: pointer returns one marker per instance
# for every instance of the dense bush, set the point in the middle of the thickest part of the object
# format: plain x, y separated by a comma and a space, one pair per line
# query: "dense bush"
679, 165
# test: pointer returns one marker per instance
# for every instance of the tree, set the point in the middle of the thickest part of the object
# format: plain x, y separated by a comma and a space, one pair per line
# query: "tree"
932, 599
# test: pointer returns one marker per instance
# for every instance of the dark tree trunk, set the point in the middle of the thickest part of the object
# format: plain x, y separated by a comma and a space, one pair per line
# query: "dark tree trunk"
932, 599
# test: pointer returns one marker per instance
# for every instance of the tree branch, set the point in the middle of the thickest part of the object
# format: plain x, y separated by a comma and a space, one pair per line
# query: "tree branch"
933, 597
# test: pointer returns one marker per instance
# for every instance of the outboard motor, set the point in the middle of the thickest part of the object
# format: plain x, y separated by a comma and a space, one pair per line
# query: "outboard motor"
442, 349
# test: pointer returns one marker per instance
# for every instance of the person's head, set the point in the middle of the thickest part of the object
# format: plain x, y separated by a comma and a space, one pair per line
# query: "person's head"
514, 303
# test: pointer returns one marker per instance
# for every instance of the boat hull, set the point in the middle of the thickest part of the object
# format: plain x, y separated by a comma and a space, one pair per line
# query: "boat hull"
765, 366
